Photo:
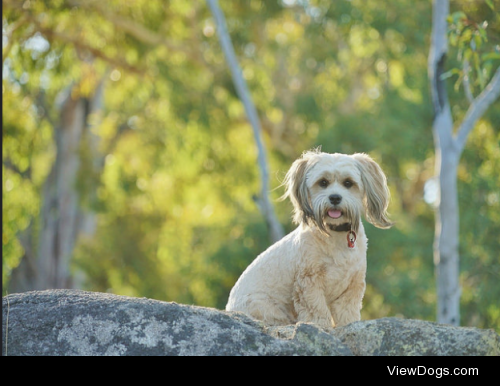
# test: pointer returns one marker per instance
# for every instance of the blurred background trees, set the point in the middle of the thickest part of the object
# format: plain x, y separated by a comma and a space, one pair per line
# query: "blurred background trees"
164, 161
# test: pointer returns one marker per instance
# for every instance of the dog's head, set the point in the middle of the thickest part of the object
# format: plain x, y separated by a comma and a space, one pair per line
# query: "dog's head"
332, 189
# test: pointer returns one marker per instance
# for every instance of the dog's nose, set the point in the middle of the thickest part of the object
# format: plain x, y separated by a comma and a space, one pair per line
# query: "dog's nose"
335, 199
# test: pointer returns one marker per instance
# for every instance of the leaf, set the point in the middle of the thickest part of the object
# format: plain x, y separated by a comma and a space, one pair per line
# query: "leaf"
453, 39
466, 35
478, 42
467, 54
490, 4
458, 16
490, 56
483, 34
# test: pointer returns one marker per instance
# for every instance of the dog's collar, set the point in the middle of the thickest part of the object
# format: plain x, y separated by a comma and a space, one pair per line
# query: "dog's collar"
345, 227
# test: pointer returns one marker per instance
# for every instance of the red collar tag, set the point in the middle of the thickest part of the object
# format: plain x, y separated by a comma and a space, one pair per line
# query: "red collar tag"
351, 238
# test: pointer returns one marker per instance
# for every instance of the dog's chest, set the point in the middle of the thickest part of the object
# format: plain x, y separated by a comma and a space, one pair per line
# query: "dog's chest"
340, 270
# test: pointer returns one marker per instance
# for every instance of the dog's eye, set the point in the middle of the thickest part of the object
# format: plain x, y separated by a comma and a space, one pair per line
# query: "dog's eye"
323, 183
348, 184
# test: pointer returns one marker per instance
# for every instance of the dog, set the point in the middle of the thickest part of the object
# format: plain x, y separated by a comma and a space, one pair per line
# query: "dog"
316, 273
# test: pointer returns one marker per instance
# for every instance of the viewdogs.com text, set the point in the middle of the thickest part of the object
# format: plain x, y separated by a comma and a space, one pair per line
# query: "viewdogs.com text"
436, 372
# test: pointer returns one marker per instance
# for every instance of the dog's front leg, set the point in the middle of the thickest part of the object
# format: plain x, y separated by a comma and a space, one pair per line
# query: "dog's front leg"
347, 307
310, 302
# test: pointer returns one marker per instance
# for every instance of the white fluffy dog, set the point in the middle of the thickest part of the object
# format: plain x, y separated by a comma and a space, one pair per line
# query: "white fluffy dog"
317, 273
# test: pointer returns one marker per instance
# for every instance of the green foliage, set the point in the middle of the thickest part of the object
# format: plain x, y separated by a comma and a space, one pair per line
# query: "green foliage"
176, 218
480, 225
470, 37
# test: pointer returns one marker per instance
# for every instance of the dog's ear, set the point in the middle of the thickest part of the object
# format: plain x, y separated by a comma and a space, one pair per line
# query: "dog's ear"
377, 193
296, 189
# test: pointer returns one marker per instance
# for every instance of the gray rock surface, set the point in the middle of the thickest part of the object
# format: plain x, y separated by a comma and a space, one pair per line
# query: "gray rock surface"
70, 322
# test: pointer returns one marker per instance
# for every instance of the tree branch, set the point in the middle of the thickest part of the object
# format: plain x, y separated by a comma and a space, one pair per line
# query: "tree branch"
7, 163
139, 31
479, 106
265, 205
52, 35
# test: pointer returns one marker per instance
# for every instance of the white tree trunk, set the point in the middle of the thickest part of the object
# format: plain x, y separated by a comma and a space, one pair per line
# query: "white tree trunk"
264, 203
448, 148
446, 257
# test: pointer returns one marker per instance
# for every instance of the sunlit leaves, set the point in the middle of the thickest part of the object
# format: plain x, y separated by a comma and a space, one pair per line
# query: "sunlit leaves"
471, 38
26, 160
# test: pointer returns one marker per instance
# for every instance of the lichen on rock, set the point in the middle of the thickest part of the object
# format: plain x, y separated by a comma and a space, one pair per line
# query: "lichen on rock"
71, 322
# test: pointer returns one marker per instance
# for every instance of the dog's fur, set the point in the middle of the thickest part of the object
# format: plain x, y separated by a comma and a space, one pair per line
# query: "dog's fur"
311, 275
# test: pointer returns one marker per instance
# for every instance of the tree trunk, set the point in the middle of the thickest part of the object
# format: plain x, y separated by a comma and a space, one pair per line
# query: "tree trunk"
446, 257
448, 148
264, 203
46, 263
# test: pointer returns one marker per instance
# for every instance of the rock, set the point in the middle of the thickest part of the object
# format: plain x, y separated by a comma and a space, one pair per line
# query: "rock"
394, 336
70, 322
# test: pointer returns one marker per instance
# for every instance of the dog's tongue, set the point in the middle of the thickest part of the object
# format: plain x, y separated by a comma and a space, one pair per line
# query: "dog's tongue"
334, 213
